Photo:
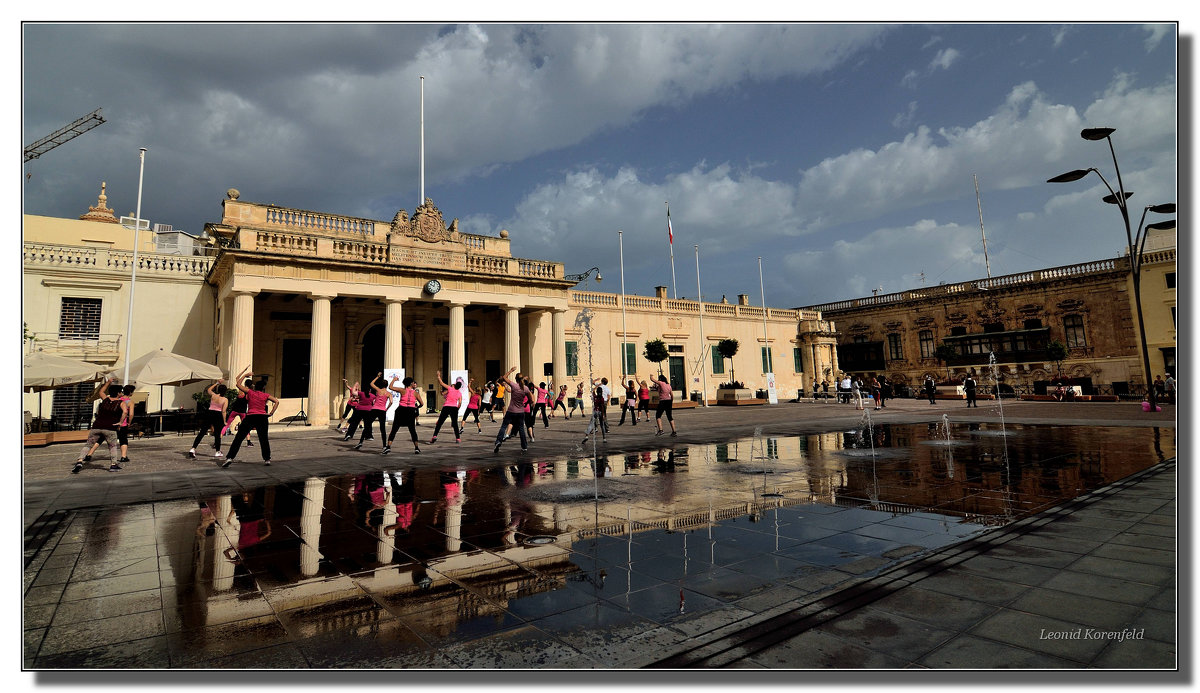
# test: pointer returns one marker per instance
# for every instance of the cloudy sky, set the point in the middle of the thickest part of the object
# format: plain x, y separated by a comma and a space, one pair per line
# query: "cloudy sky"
843, 155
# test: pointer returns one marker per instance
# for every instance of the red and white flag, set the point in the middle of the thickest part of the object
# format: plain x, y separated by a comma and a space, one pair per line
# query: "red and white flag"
670, 235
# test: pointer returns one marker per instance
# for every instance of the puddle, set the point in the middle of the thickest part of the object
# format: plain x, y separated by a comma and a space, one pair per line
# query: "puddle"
439, 558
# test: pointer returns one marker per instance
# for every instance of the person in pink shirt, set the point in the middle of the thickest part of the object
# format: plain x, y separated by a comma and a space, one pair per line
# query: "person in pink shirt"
214, 418
473, 406
560, 401
665, 399
406, 412
515, 414
257, 417
453, 398
543, 397
381, 398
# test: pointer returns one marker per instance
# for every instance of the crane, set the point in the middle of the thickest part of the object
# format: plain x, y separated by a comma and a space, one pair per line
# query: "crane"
63, 135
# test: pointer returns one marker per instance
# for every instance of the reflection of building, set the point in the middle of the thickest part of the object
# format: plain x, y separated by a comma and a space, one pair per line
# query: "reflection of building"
1088, 307
308, 298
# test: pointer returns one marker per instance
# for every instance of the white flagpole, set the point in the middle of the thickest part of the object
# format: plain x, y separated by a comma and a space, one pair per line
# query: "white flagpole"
671, 243
621, 245
421, 153
137, 227
766, 344
703, 356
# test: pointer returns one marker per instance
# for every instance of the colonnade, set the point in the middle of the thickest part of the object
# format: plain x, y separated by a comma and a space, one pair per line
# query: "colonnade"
241, 344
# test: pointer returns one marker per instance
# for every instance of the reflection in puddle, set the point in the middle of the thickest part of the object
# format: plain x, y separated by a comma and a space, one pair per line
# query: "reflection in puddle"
442, 556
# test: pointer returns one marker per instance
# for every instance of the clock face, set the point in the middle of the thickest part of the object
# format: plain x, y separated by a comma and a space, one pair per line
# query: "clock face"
433, 286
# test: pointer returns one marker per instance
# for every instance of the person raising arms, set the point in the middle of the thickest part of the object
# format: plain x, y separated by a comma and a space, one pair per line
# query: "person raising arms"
257, 417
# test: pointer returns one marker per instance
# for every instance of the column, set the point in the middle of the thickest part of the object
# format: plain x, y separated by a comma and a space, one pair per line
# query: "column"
559, 327
241, 342
512, 338
833, 359
458, 339
393, 341
318, 362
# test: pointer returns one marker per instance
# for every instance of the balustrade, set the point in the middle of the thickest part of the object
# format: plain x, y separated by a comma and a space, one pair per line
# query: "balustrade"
300, 219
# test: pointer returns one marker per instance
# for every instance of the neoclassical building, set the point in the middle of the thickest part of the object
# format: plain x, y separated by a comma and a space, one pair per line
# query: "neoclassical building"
308, 299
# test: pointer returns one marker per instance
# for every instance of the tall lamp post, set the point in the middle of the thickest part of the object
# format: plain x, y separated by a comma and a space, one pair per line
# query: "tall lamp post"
1135, 242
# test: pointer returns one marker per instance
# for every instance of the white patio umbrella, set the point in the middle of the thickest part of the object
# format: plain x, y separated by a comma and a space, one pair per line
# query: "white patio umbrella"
161, 367
42, 371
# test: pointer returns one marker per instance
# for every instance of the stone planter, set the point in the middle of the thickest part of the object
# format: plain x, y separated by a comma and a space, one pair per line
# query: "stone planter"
733, 396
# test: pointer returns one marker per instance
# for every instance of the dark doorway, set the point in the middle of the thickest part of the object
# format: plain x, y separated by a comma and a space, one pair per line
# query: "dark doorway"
678, 376
372, 355
293, 371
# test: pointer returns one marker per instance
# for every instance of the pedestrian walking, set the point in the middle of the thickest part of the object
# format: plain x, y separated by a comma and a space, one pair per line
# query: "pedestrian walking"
931, 389
257, 417
969, 386
213, 418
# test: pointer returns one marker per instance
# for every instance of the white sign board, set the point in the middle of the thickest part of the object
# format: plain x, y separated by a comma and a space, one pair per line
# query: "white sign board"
772, 396
465, 379
387, 378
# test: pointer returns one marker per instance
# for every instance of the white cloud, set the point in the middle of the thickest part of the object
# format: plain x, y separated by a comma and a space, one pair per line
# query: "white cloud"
905, 118
1155, 33
944, 59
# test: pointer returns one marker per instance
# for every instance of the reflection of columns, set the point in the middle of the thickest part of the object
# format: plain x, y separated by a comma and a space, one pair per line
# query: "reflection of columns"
385, 547
559, 327
225, 538
512, 338
458, 339
393, 341
318, 363
454, 511
241, 342
310, 525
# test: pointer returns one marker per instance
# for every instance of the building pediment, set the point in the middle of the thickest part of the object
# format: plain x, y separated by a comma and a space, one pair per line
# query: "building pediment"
426, 225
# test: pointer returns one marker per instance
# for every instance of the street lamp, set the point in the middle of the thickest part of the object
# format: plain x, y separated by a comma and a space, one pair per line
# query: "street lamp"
582, 276
1134, 241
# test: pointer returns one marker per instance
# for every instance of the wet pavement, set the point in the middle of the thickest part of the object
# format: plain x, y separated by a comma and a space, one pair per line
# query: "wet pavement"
796, 536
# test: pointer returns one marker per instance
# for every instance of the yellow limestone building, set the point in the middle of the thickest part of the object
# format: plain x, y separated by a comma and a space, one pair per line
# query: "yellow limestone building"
309, 299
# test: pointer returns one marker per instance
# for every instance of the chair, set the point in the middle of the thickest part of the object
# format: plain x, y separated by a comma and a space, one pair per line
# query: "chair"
29, 422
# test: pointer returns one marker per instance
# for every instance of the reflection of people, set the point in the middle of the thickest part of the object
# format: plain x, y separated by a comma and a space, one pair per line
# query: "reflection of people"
248, 518
404, 496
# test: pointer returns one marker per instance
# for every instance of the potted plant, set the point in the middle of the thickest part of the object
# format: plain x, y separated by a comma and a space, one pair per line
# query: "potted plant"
732, 391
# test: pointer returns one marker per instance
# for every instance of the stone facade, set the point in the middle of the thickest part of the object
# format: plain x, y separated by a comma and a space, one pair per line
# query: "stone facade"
1085, 306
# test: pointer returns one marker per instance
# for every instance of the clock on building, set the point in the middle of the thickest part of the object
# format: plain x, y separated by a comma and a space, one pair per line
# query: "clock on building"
432, 287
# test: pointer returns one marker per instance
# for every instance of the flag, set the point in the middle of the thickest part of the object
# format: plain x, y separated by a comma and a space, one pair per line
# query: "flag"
670, 236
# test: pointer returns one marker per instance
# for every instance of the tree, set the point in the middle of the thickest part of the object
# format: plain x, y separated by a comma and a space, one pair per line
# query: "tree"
727, 348
1057, 352
656, 352
944, 352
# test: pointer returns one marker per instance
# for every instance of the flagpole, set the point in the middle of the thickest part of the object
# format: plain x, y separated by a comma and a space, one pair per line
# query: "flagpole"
421, 153
703, 364
671, 244
137, 227
766, 344
621, 246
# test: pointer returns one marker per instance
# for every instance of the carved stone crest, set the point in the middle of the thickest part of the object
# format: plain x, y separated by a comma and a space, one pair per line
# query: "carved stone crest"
426, 224
991, 310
